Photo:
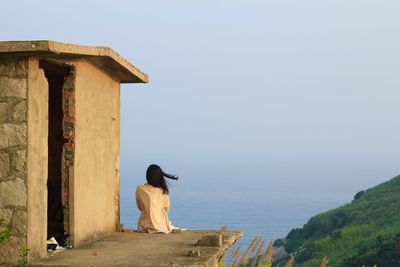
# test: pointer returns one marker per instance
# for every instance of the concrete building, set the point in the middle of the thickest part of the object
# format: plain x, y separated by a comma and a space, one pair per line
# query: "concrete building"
59, 143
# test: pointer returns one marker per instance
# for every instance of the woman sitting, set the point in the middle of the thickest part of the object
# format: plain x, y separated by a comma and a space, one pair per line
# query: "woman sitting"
152, 199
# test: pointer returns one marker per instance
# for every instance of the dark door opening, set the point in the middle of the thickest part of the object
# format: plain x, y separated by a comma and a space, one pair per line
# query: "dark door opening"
55, 74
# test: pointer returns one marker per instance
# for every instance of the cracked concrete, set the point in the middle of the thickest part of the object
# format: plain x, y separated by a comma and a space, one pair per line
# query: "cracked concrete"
142, 249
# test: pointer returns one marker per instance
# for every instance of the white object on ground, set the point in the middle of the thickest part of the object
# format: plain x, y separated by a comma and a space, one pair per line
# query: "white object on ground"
54, 241
176, 228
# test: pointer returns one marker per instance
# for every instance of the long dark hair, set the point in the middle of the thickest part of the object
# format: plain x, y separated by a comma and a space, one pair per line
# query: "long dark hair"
155, 177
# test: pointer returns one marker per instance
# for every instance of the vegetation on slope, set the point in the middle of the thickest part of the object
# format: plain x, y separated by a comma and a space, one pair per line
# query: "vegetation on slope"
364, 232
4, 231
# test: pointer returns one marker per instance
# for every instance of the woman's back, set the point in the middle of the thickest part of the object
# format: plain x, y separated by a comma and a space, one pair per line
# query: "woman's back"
154, 205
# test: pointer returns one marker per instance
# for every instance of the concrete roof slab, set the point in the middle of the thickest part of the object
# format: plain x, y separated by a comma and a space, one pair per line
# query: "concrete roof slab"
104, 57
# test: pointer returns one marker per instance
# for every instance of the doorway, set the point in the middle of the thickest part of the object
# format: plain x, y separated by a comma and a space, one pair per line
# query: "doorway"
55, 74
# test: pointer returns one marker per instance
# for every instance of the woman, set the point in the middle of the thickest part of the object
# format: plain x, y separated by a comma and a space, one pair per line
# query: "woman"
152, 199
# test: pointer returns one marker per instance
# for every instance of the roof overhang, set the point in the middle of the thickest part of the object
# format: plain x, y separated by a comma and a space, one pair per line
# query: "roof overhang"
103, 57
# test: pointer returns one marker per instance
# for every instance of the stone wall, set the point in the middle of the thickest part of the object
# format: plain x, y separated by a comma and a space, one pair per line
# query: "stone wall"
13, 157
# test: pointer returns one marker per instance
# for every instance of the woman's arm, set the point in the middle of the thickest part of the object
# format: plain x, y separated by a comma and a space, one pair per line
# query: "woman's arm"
139, 202
167, 204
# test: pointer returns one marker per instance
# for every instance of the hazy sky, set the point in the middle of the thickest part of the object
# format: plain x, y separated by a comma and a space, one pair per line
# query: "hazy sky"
282, 93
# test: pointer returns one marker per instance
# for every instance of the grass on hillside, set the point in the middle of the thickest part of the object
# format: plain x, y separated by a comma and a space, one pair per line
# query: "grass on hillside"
363, 232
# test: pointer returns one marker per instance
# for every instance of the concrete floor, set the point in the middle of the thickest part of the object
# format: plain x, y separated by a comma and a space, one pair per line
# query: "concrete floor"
141, 249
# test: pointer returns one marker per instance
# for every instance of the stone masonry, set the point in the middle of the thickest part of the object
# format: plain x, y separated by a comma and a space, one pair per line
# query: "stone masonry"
13, 156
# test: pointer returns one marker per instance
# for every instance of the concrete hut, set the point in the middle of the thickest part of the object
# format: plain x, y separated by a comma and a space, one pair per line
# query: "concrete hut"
59, 143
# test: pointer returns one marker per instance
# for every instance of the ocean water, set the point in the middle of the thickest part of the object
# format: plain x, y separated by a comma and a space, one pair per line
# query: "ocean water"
268, 212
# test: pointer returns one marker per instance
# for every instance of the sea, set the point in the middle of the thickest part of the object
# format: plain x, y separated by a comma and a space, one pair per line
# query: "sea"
269, 212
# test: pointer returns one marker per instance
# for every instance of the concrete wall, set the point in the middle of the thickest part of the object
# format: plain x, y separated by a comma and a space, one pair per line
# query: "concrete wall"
95, 189
94, 185
37, 160
13, 158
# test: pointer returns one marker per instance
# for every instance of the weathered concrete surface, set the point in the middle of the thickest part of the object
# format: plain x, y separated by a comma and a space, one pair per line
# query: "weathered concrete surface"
141, 249
214, 240
104, 57
37, 160
94, 187
95, 190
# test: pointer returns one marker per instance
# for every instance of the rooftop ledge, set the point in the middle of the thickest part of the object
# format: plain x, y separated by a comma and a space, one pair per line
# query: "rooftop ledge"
141, 249
104, 57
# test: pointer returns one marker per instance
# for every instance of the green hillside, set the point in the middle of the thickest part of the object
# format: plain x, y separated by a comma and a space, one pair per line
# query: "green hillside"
364, 232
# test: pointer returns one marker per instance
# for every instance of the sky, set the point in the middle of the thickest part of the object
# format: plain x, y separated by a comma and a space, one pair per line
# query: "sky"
271, 94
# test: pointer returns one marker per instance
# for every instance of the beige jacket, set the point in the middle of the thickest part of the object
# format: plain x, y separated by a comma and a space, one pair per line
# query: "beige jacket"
154, 207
